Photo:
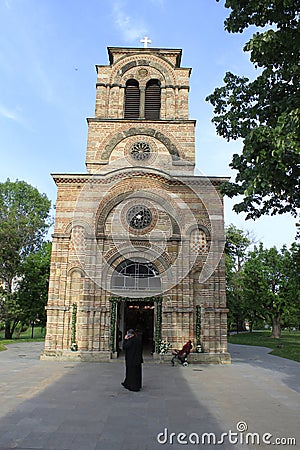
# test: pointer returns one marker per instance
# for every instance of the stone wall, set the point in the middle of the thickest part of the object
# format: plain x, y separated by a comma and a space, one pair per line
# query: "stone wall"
92, 235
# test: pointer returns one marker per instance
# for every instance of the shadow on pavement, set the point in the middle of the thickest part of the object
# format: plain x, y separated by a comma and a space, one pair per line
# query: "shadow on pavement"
86, 408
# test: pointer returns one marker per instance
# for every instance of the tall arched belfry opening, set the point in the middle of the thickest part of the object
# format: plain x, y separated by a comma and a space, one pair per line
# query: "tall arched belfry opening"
138, 239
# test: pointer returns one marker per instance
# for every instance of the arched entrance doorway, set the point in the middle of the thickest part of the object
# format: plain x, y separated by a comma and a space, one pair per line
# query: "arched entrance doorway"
136, 281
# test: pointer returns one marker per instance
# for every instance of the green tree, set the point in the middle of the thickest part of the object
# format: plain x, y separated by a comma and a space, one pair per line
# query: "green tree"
32, 291
25, 219
264, 112
291, 317
255, 288
271, 286
236, 245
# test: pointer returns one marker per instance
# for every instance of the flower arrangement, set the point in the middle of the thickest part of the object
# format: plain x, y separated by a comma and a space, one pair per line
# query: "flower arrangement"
164, 347
198, 348
198, 329
74, 346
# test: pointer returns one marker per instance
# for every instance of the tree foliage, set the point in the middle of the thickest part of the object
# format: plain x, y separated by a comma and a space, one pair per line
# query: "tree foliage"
32, 290
264, 112
262, 285
24, 216
271, 285
236, 246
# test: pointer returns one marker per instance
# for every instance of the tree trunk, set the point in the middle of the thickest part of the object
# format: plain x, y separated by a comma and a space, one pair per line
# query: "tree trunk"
14, 326
276, 328
19, 331
8, 333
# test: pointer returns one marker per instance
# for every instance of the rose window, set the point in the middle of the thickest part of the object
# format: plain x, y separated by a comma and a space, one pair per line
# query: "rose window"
139, 217
140, 151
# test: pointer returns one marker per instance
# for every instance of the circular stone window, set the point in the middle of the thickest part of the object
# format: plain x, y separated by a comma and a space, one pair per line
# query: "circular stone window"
139, 217
140, 151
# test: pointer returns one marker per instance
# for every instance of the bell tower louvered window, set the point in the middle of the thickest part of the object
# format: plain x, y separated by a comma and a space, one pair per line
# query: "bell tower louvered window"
132, 100
152, 100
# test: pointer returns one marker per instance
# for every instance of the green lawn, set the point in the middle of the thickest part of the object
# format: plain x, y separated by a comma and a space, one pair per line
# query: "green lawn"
3, 343
288, 346
38, 336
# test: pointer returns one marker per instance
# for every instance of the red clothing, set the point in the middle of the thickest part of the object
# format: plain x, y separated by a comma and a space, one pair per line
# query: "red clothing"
186, 349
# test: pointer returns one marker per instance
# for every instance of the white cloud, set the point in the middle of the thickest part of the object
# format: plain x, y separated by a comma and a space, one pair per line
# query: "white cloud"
16, 115
8, 113
131, 28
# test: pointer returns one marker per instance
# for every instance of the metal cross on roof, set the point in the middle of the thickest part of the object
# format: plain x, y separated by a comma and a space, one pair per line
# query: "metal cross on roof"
146, 41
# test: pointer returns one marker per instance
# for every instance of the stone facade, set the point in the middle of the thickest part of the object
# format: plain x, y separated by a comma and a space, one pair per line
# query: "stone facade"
138, 239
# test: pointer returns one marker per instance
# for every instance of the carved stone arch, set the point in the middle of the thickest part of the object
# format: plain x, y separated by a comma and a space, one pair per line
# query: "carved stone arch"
143, 79
75, 285
79, 223
158, 259
108, 207
102, 215
206, 231
117, 138
75, 269
199, 226
140, 246
205, 224
128, 63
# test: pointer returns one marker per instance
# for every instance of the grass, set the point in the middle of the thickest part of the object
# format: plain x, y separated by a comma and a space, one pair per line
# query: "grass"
4, 343
38, 336
288, 346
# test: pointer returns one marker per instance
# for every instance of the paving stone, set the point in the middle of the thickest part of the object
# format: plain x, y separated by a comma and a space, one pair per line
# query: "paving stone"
257, 388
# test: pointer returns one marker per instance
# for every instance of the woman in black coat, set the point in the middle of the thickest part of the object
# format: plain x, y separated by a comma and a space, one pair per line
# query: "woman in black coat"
133, 361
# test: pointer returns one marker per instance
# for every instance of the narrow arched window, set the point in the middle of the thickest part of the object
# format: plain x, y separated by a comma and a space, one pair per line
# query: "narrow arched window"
132, 100
152, 100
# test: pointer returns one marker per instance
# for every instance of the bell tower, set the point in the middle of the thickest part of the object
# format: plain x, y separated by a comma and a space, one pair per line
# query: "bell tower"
138, 240
142, 97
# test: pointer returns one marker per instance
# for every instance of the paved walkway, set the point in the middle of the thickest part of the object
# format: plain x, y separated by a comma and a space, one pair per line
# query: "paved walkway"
82, 406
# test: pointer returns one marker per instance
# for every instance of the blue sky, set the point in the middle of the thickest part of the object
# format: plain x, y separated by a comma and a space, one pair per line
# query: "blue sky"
48, 52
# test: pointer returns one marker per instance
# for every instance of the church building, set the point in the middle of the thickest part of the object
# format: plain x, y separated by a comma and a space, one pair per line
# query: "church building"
139, 238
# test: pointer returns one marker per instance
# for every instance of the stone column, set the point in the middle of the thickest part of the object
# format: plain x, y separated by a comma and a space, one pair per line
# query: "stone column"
142, 101
121, 102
